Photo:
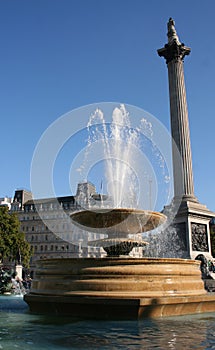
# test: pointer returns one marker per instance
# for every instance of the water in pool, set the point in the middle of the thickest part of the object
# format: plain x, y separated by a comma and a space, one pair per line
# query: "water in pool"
19, 329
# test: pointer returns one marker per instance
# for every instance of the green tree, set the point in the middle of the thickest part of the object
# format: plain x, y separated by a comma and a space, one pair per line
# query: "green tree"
13, 245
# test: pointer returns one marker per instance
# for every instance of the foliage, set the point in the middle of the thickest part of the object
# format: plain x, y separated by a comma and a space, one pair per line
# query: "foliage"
5, 281
13, 245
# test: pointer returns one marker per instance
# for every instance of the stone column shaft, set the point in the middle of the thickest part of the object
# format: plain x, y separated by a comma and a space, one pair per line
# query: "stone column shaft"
183, 173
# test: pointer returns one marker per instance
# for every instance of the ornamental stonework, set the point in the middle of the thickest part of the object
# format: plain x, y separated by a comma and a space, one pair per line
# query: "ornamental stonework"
199, 237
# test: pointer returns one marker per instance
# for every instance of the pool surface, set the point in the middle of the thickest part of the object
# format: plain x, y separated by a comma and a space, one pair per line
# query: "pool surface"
19, 329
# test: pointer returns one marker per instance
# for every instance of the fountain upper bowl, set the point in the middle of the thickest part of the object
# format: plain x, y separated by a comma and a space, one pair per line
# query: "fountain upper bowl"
118, 220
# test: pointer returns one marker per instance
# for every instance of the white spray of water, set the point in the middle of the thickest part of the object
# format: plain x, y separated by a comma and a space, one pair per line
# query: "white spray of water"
119, 144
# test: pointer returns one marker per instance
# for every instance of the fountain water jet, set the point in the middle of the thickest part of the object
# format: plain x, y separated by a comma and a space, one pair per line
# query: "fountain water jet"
118, 144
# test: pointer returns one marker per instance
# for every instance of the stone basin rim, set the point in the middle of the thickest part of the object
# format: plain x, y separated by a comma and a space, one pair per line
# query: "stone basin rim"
124, 259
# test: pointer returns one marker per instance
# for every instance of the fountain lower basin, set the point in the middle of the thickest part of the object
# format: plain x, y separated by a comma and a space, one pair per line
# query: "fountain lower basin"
119, 288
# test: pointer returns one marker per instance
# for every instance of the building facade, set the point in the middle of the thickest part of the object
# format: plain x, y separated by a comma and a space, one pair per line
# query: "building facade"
47, 225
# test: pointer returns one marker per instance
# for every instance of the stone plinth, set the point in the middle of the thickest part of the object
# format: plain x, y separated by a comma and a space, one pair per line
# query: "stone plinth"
192, 225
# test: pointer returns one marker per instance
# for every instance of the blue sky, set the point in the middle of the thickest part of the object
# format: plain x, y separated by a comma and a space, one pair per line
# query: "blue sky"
58, 55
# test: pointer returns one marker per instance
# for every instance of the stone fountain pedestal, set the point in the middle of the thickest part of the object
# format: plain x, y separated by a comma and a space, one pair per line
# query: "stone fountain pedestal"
119, 288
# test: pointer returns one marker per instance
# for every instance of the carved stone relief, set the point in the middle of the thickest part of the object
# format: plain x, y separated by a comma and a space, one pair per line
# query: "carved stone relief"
199, 237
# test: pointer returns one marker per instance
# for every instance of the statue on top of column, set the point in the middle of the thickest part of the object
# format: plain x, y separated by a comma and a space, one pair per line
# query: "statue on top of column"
174, 50
172, 34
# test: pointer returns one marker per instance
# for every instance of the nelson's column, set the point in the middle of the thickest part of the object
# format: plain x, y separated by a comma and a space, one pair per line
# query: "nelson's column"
192, 219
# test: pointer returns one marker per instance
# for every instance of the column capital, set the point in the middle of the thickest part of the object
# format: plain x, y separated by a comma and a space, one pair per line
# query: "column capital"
174, 49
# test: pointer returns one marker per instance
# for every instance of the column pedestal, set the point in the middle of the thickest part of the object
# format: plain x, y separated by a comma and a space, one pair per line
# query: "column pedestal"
191, 225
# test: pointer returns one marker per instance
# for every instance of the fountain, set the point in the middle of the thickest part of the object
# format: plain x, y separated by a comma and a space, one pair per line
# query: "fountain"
118, 286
